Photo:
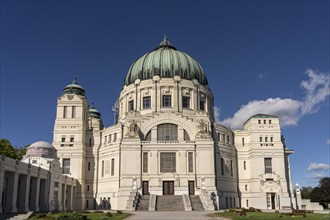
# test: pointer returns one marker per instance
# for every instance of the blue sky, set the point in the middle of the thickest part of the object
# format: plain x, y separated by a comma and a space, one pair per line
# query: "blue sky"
259, 57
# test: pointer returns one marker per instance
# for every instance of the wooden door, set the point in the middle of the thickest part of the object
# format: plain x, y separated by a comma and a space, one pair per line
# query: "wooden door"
168, 187
145, 188
191, 188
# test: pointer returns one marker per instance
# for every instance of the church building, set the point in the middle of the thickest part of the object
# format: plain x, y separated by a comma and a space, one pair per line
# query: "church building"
166, 144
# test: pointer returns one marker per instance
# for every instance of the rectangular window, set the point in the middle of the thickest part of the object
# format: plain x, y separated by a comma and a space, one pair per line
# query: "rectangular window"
270, 121
167, 163
166, 101
245, 187
105, 139
87, 204
202, 105
71, 139
112, 167
63, 139
114, 137
145, 162
247, 203
102, 169
90, 142
260, 139
66, 166
234, 202
227, 139
268, 165
222, 166
259, 121
271, 139
65, 109
73, 111
243, 141
244, 165
185, 102
87, 188
231, 202
109, 137
231, 167
266, 139
146, 102
89, 166
223, 137
264, 121
190, 162
130, 105
227, 205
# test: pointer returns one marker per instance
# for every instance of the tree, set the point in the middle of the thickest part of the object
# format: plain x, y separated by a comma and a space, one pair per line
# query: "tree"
306, 192
7, 149
321, 193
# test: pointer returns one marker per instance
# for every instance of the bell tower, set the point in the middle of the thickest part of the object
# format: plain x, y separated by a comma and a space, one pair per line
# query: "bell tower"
71, 126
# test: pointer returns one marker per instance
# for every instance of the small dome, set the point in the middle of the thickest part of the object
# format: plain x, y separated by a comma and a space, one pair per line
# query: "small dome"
165, 61
41, 149
94, 112
74, 88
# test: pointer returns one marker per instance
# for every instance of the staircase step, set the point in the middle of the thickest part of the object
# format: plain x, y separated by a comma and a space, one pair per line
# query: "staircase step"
196, 203
169, 203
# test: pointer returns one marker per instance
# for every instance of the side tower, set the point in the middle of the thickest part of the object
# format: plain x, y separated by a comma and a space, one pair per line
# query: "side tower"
263, 164
71, 126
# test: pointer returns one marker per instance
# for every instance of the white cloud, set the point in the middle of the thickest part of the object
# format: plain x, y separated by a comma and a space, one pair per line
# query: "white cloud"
318, 176
318, 166
289, 111
285, 109
328, 141
261, 76
216, 113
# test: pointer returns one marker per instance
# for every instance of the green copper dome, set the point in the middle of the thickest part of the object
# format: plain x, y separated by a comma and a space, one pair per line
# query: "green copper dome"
74, 88
94, 112
165, 61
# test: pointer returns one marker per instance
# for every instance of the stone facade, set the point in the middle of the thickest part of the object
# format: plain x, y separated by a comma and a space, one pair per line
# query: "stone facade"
165, 141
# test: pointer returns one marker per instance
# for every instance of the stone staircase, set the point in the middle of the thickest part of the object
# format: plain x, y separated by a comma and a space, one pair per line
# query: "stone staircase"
196, 203
143, 204
169, 203
15, 216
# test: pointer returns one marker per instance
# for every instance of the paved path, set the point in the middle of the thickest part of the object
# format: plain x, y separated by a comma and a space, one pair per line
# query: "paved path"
172, 215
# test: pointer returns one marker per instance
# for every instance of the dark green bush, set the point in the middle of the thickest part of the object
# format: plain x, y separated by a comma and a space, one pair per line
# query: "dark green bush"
119, 212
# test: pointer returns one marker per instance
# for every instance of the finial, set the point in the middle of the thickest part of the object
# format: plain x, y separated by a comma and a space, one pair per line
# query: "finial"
74, 79
92, 106
165, 41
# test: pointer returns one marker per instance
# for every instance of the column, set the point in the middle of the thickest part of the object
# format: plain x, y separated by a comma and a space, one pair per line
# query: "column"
64, 198
27, 193
2, 179
14, 195
37, 194
71, 199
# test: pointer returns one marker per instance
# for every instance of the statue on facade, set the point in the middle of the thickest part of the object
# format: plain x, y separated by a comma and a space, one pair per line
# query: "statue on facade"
203, 130
203, 184
134, 183
133, 129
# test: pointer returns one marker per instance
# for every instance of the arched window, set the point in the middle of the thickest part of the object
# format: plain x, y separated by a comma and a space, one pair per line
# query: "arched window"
186, 135
148, 136
167, 132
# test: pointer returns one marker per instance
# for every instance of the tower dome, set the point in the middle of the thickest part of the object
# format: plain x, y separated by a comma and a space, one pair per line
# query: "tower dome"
94, 112
74, 88
41, 149
165, 61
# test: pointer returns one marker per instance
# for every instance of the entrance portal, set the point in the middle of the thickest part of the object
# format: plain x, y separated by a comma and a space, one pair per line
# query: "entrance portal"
145, 188
270, 200
168, 187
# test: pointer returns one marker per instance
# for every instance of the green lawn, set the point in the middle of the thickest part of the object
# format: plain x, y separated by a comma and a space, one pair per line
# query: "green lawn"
90, 216
271, 216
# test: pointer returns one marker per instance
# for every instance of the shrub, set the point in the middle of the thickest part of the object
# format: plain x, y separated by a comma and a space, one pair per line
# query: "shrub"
119, 212
109, 214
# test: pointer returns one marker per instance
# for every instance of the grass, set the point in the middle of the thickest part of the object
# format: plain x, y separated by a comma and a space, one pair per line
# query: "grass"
271, 216
90, 216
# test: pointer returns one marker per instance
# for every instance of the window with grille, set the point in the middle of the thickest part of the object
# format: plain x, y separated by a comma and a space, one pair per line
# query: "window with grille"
231, 168
185, 102
102, 170
130, 105
145, 162
167, 163
148, 136
146, 102
167, 132
66, 166
166, 102
190, 162
268, 165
